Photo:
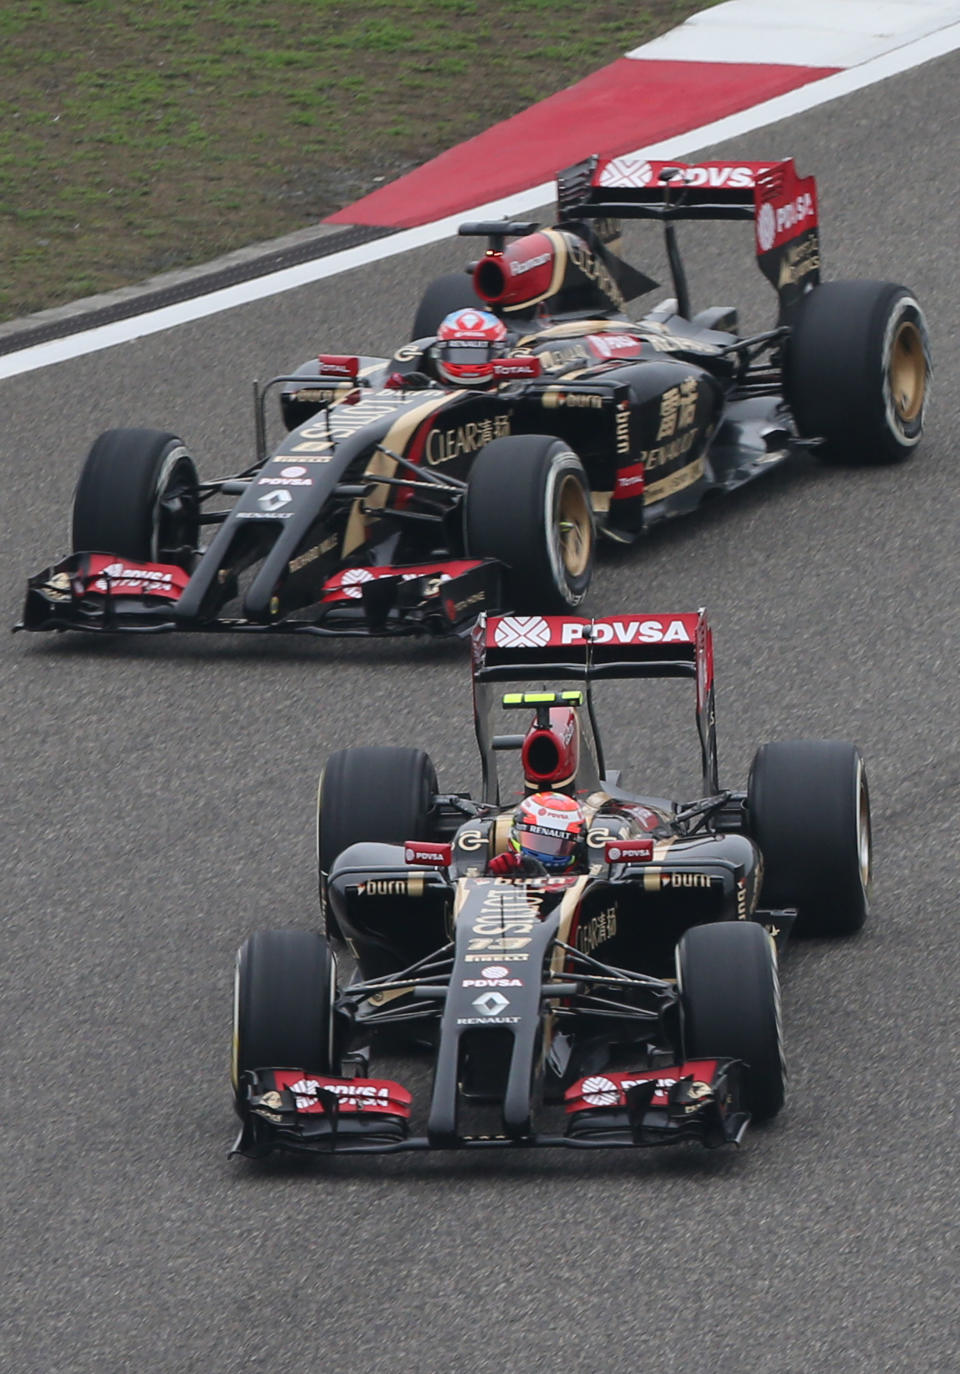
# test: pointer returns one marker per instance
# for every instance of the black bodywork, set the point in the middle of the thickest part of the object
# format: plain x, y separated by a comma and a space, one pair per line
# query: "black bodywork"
354, 522
536, 991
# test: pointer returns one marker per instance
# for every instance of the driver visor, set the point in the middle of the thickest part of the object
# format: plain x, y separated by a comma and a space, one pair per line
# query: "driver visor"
538, 840
466, 352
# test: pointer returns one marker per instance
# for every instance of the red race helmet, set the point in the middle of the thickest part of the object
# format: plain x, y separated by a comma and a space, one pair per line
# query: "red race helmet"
467, 343
549, 827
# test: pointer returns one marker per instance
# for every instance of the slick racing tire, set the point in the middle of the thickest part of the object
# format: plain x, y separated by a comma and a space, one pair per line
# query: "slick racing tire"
138, 497
808, 808
730, 1007
376, 793
857, 371
284, 1004
451, 292
528, 505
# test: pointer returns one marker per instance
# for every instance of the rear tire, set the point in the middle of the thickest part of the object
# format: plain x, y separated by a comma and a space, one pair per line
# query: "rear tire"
138, 497
857, 369
730, 1007
808, 806
528, 505
448, 293
283, 1004
376, 793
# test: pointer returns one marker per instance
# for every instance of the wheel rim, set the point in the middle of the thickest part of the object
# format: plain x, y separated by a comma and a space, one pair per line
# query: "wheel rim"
863, 830
574, 527
908, 372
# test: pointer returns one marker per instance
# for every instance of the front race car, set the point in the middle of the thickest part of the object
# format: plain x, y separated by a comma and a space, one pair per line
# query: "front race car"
629, 998
520, 1023
628, 995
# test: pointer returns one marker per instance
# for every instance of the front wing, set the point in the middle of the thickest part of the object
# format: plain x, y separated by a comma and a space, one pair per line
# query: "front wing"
293, 1109
107, 594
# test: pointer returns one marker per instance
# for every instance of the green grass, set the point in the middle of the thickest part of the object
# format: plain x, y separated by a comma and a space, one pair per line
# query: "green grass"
135, 138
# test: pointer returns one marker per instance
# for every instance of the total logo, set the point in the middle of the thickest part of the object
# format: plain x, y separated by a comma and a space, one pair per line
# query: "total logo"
625, 483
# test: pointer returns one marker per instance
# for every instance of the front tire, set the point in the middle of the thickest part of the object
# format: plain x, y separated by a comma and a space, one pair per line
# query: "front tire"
284, 1004
857, 371
376, 793
528, 505
730, 1007
808, 807
138, 497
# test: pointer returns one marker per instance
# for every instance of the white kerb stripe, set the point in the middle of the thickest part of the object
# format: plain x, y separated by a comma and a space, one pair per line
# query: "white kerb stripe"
804, 33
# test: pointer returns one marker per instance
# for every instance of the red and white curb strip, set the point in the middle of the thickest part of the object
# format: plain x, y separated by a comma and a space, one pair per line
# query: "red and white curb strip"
723, 61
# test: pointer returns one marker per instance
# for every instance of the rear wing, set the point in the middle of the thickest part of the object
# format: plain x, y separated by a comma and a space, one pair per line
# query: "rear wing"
782, 206
550, 648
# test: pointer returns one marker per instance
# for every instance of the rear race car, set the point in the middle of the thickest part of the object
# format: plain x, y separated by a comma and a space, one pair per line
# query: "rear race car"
473, 470
630, 999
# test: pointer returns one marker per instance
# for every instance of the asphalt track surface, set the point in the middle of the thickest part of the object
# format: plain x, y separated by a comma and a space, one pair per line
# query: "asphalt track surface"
158, 804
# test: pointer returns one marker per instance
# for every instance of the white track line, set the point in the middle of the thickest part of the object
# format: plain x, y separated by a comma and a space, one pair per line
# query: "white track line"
794, 102
805, 33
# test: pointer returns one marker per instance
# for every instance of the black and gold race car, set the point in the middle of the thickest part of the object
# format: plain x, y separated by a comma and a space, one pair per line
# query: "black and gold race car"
632, 993
411, 493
